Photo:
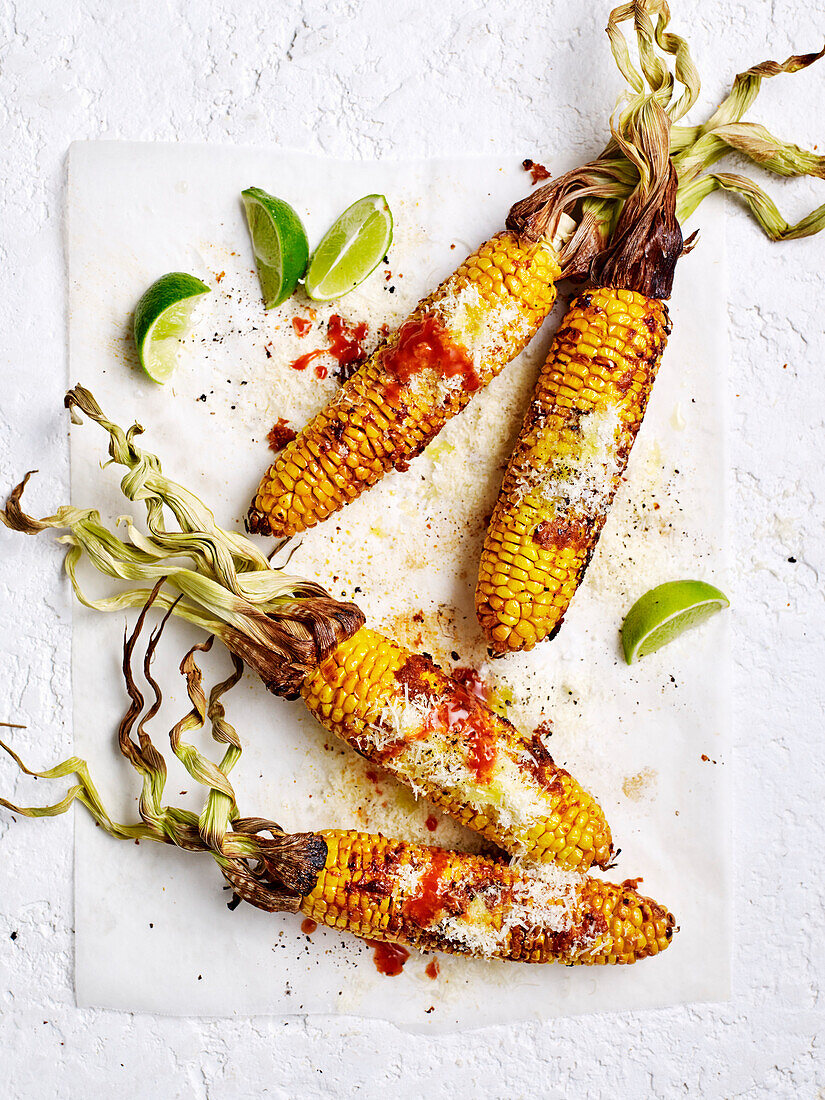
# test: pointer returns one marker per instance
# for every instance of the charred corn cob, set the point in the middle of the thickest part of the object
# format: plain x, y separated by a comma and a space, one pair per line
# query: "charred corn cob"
393, 891
453, 344
402, 712
358, 882
563, 474
449, 901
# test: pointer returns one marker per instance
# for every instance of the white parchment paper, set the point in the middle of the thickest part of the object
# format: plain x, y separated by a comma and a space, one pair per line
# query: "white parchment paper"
153, 929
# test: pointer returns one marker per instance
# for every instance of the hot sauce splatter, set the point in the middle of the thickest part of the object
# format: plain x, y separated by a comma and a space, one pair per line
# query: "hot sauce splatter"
303, 361
389, 957
427, 902
482, 754
425, 344
457, 710
346, 345
431, 823
301, 326
308, 926
470, 678
460, 710
431, 969
279, 435
537, 171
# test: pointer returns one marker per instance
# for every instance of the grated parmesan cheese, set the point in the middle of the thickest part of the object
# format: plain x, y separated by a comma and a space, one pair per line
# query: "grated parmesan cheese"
437, 762
398, 719
581, 483
519, 800
483, 329
512, 799
408, 880
535, 904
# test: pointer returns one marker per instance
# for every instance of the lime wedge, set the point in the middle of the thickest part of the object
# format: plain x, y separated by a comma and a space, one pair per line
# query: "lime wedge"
664, 612
162, 318
280, 244
352, 248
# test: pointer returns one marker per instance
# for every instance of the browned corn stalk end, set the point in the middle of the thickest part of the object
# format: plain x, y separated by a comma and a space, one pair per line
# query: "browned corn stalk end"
257, 522
284, 652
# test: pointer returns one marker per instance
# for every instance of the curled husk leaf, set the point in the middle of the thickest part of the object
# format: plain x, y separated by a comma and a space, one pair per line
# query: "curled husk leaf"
281, 626
597, 195
272, 872
696, 148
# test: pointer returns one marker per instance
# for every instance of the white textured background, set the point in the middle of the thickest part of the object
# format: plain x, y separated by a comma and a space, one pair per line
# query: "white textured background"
415, 79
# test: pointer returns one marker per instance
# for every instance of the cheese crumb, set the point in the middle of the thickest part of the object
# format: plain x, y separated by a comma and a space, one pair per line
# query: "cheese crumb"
583, 481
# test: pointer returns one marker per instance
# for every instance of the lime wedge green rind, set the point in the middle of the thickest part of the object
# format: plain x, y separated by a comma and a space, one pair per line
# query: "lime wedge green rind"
664, 612
162, 319
350, 250
279, 242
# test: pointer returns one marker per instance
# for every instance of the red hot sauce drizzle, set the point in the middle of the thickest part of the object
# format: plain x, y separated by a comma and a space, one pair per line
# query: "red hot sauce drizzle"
346, 345
431, 969
308, 926
482, 754
389, 958
423, 907
470, 678
431, 823
461, 710
425, 344
303, 361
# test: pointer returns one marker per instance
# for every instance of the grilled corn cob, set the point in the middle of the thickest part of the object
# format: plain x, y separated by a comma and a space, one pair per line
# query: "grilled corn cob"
453, 344
563, 474
449, 901
402, 712
358, 882
593, 390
